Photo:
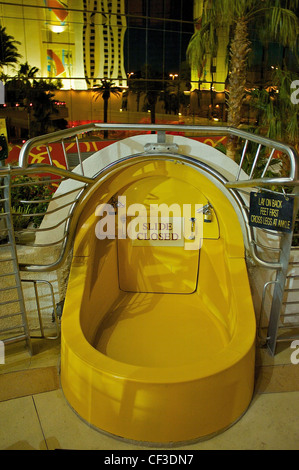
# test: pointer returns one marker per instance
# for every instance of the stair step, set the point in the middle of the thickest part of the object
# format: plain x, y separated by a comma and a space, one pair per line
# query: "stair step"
10, 302
14, 339
8, 288
9, 315
11, 328
7, 274
8, 251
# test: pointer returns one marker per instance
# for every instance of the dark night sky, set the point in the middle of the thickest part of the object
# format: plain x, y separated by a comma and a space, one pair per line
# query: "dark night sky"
158, 33
161, 39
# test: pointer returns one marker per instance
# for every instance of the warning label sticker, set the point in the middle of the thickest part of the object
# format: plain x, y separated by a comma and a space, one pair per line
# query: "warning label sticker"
271, 211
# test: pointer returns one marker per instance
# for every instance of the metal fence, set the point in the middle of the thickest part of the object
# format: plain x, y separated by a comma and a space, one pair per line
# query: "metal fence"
263, 165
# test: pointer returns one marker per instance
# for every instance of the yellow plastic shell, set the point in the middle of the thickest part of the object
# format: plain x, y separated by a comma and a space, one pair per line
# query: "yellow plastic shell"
158, 342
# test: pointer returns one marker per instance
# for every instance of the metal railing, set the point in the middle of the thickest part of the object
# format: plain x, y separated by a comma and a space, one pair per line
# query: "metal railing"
35, 283
252, 174
61, 136
238, 187
13, 324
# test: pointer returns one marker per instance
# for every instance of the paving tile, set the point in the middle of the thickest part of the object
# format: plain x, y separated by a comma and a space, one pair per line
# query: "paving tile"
19, 426
270, 423
280, 378
282, 355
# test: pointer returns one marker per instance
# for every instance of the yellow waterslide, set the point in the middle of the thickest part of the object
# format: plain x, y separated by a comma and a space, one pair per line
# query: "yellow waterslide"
158, 332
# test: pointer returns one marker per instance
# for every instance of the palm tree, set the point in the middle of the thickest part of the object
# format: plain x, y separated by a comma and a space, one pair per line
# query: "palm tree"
152, 93
26, 72
104, 91
174, 91
43, 104
151, 85
8, 49
135, 86
278, 17
25, 82
35, 96
43, 108
274, 102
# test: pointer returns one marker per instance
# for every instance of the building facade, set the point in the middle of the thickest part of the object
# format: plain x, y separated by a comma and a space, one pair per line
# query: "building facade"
84, 41
79, 41
103, 30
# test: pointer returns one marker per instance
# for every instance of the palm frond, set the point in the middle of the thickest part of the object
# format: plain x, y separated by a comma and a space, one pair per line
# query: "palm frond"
8, 48
105, 89
283, 25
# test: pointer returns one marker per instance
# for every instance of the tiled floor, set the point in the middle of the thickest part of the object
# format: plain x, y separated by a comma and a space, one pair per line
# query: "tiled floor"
44, 421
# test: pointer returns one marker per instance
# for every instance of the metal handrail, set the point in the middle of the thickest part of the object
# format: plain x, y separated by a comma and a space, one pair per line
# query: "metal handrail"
236, 190
234, 187
211, 130
44, 168
84, 197
35, 282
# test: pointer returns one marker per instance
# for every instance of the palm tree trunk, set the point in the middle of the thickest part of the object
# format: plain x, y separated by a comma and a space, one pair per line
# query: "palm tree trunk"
240, 48
105, 115
138, 101
153, 113
29, 122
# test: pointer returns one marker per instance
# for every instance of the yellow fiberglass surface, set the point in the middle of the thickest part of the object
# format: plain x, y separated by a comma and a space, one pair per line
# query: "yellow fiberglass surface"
158, 330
